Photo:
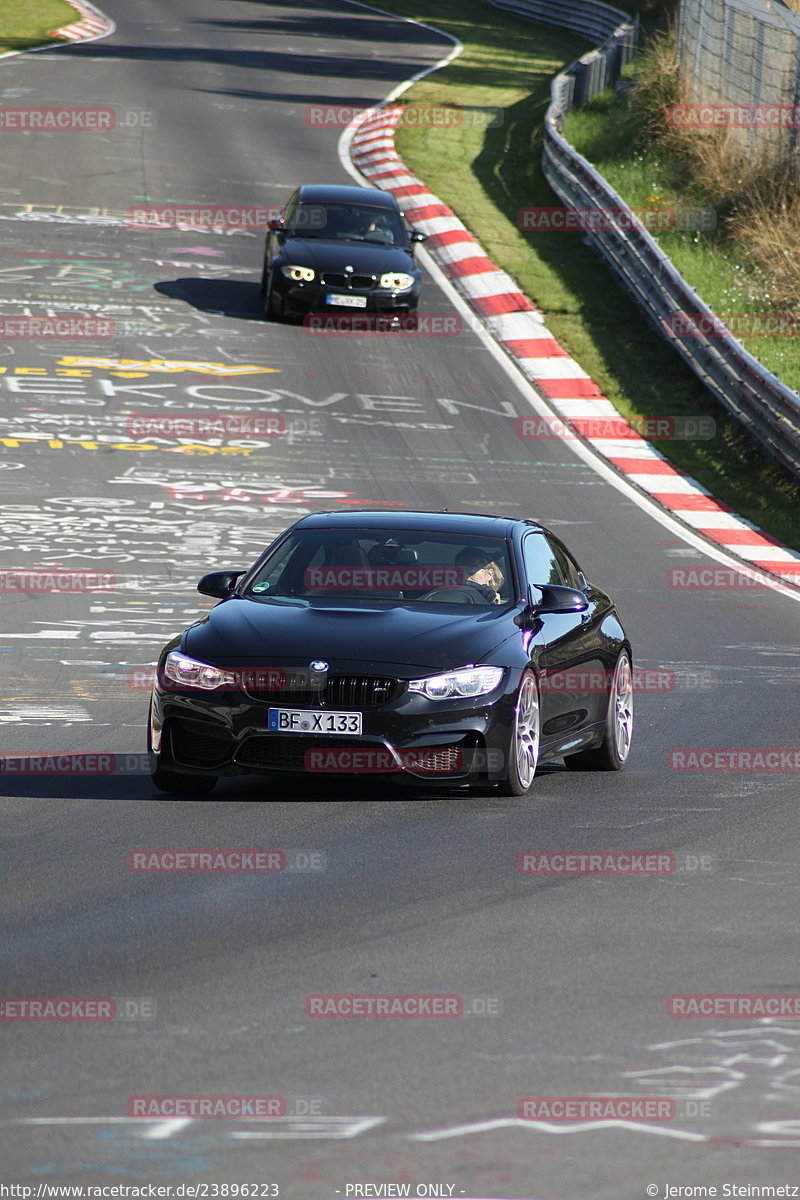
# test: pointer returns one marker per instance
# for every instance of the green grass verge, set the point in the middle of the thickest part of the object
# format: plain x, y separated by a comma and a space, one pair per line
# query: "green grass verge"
611, 138
27, 23
487, 174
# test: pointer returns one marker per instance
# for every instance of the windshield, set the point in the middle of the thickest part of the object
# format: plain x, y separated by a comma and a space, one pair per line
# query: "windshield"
347, 223
386, 567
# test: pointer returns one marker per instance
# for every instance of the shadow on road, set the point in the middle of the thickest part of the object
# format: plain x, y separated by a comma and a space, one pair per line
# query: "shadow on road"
228, 297
124, 780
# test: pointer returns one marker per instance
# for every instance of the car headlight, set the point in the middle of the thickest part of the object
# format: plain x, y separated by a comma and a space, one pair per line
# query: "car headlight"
467, 681
397, 281
298, 274
188, 672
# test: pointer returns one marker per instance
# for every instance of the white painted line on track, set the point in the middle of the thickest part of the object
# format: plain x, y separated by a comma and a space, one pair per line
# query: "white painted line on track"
455, 1131
165, 1129
338, 1128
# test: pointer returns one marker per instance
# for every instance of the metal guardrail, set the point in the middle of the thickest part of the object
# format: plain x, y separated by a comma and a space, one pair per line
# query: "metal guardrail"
595, 20
767, 408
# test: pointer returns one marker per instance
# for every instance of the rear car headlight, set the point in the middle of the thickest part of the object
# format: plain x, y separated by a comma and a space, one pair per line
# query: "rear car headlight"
467, 681
298, 274
397, 281
188, 672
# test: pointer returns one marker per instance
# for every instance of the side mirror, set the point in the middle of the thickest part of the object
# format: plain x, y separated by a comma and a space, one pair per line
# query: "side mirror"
220, 584
276, 224
557, 599
553, 598
417, 235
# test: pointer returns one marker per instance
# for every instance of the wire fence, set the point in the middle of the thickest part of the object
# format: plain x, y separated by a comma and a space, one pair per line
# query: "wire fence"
742, 59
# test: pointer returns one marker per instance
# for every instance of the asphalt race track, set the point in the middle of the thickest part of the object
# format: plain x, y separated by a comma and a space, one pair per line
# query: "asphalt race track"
393, 892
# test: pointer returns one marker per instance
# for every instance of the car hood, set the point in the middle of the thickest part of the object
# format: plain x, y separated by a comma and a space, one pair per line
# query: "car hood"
365, 258
403, 639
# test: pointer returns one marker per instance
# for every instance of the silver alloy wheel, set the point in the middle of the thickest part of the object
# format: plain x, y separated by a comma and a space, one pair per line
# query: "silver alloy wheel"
622, 707
525, 745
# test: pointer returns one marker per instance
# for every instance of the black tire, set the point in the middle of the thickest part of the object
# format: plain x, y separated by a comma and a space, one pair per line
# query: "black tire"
183, 785
522, 756
273, 305
613, 753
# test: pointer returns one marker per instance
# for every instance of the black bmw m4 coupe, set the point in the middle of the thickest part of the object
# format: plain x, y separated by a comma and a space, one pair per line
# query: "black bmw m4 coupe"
436, 648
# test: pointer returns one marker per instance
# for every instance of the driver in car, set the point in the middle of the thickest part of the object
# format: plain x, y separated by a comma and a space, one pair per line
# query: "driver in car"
477, 567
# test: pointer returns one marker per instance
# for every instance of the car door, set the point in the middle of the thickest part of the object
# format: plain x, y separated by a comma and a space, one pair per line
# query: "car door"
564, 646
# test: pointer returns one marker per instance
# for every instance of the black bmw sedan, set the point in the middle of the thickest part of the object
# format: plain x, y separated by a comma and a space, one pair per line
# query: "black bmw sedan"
447, 648
340, 250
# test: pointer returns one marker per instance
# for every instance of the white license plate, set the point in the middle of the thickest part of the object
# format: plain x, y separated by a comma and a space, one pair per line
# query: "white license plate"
347, 301
304, 720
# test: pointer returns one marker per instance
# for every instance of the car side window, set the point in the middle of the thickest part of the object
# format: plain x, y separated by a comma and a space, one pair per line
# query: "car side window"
289, 211
568, 565
283, 576
541, 563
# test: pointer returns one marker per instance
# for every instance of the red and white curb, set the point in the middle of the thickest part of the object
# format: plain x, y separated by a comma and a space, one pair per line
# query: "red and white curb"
91, 25
513, 322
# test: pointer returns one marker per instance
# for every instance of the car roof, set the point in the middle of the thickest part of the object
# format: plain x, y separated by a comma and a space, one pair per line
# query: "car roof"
469, 524
329, 193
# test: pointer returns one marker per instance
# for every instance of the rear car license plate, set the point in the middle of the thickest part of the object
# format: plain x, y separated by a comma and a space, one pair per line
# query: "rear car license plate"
304, 720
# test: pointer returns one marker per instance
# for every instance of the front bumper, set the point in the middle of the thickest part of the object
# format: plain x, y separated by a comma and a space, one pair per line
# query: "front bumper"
314, 298
409, 739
